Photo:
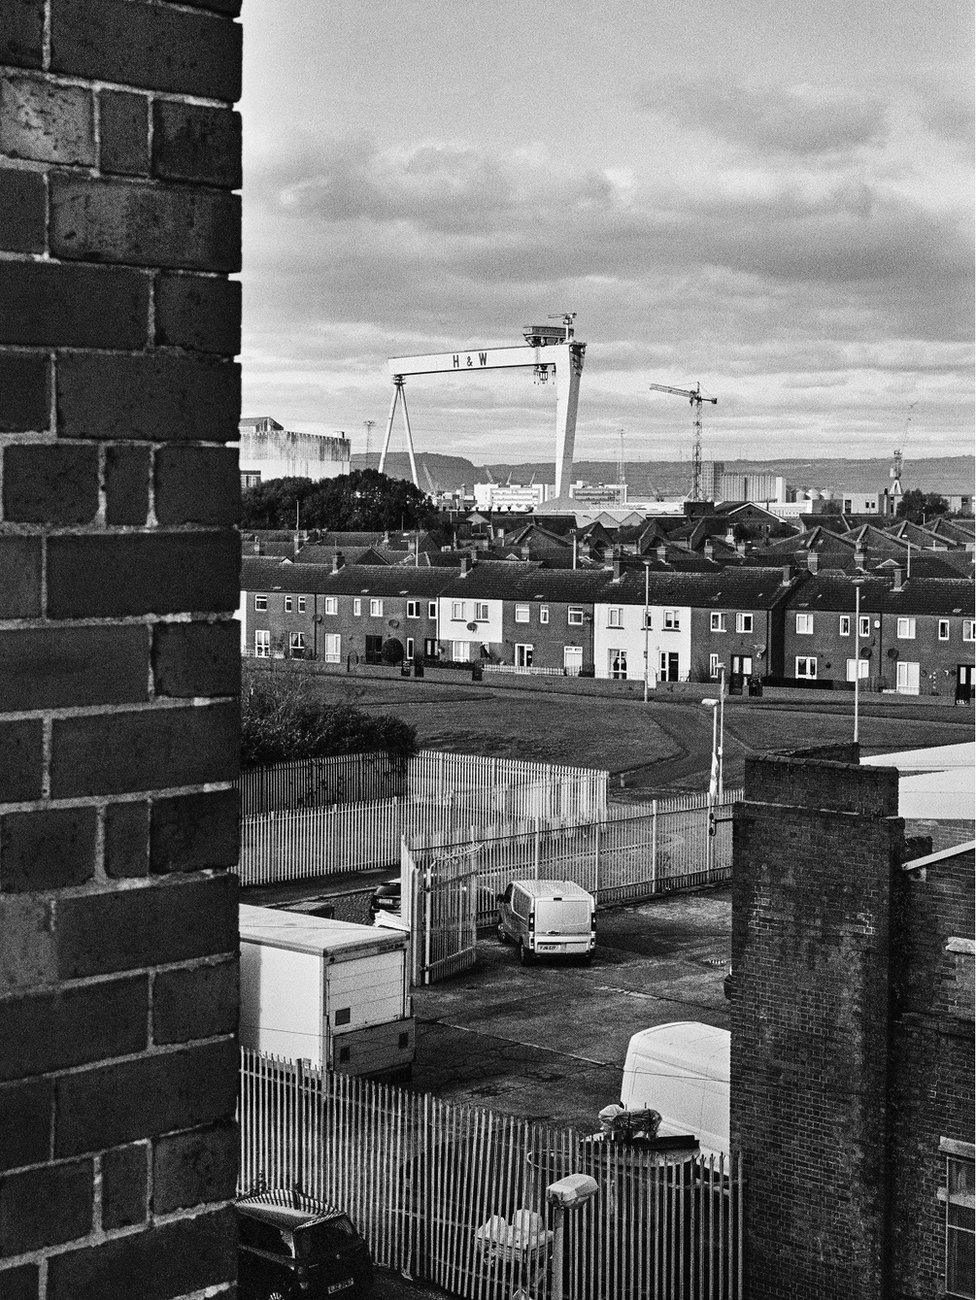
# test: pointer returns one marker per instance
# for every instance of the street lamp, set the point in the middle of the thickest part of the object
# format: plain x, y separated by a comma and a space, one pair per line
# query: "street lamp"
647, 629
721, 731
858, 583
714, 783
566, 1194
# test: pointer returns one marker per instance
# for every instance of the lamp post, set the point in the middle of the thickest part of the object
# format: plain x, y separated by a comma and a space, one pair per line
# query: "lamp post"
721, 732
647, 630
857, 654
566, 1194
713, 783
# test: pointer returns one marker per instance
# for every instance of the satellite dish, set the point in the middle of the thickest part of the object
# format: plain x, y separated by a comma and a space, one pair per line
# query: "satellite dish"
472, 627
394, 622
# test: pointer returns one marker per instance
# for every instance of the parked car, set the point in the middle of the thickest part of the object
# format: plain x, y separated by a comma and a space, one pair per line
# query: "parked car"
548, 918
293, 1246
386, 898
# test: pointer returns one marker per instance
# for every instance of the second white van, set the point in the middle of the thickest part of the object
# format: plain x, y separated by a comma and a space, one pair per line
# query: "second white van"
548, 918
681, 1070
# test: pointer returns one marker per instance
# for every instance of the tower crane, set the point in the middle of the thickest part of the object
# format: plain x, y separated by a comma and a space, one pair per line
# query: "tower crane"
694, 396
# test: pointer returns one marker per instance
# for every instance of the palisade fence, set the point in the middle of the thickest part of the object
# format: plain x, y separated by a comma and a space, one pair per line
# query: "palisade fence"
320, 817
455, 1195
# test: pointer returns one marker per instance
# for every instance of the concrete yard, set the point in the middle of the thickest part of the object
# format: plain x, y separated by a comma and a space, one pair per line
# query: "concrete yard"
548, 1041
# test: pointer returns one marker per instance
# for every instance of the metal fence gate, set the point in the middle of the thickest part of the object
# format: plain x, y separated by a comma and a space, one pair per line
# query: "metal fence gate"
439, 907
455, 1195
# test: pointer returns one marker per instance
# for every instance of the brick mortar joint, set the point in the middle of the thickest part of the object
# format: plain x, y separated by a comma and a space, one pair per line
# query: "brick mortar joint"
97, 85
152, 1051
103, 800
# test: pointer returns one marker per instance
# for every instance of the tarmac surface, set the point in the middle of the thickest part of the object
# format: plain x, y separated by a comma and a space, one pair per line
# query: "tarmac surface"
548, 1041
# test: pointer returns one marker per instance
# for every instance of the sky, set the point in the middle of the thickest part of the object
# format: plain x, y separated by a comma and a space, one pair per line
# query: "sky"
773, 199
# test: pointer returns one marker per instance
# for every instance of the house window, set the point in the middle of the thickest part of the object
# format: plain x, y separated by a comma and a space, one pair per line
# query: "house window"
743, 622
646, 623
302, 604
672, 620
857, 668
844, 625
906, 629
457, 610
521, 613
968, 626
410, 647
432, 609
543, 613
713, 666
333, 647
260, 602
413, 609
357, 606
615, 616
716, 622
864, 625
804, 625
296, 645
460, 651
943, 629
331, 605
343, 1016
376, 609
806, 667
288, 604
572, 658
262, 644
481, 611
960, 1226
523, 656
617, 664
574, 616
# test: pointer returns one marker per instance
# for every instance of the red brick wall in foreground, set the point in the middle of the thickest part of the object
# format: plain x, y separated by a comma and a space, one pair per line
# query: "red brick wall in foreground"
119, 668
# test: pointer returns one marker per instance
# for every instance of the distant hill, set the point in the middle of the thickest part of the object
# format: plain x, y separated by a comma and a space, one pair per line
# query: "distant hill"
665, 478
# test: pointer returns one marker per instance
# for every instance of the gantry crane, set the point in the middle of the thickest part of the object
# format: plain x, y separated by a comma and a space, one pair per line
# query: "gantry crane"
694, 396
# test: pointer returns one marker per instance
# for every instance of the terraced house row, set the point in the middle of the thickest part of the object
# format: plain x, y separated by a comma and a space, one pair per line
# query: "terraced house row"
912, 635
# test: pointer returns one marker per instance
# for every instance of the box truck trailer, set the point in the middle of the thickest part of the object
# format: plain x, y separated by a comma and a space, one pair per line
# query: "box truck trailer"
326, 991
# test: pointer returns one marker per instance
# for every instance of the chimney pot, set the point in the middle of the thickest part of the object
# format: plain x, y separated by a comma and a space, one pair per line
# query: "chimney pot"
813, 561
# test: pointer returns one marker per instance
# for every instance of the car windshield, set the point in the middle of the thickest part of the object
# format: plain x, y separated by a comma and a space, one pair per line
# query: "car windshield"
324, 1238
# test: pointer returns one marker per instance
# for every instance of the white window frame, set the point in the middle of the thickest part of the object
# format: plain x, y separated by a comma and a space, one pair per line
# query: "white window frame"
865, 625
527, 652
714, 663
615, 616
804, 625
522, 613
410, 647
574, 616
806, 675
333, 648
413, 609
863, 669
744, 622
302, 604
332, 604
288, 604
296, 645
260, 600
844, 625
906, 628
959, 1154
461, 652
432, 609
262, 643
543, 613
672, 620
375, 607
716, 621
481, 614
943, 629
576, 652
457, 611
357, 606
619, 653
969, 629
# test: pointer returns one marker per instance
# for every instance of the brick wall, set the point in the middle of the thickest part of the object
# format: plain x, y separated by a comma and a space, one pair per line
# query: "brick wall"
119, 155
815, 848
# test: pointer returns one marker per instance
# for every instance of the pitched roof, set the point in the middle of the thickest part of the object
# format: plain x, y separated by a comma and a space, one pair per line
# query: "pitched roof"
835, 591
259, 574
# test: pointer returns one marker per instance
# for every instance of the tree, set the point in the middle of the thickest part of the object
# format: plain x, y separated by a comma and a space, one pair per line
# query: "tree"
281, 719
916, 505
363, 501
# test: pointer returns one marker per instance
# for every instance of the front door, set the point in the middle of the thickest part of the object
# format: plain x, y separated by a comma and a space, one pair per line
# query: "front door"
742, 664
906, 678
965, 682
374, 649
669, 665
572, 659
523, 656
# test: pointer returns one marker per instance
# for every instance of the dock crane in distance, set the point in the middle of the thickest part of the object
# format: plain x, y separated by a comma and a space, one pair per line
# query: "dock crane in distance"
694, 396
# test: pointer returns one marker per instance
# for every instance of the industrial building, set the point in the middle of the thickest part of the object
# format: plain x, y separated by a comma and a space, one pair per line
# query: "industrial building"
269, 450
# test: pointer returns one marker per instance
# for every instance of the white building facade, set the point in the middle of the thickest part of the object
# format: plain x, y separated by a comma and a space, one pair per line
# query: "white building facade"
620, 640
268, 451
465, 624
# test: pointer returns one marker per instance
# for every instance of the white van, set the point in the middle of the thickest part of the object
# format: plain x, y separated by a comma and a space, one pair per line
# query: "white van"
548, 918
681, 1070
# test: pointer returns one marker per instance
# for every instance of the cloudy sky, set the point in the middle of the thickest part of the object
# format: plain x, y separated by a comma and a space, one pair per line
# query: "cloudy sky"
772, 198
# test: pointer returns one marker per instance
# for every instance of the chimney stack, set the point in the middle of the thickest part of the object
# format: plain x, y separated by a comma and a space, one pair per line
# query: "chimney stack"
465, 564
813, 561
787, 575
337, 561
708, 550
617, 563
899, 579
662, 552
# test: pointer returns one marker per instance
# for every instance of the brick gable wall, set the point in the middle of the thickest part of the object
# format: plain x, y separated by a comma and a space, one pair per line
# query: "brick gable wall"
119, 563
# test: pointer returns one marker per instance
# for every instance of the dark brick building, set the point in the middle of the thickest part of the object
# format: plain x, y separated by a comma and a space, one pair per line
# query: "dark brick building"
852, 1038
119, 565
